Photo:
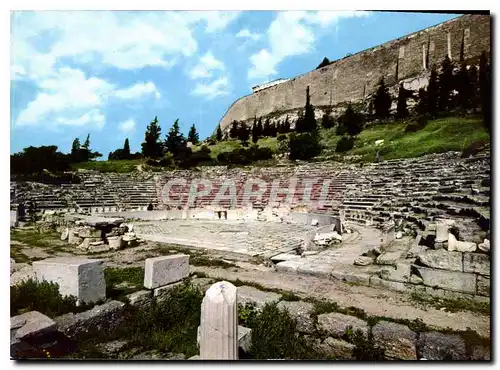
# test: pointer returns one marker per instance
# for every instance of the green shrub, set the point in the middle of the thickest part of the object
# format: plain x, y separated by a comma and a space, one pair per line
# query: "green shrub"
247, 315
281, 138
345, 144
304, 146
134, 276
44, 297
365, 349
274, 336
244, 156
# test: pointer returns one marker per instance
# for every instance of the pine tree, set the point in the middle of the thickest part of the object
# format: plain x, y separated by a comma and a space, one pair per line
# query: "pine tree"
193, 135
402, 107
75, 151
445, 84
218, 133
351, 121
432, 93
126, 149
175, 141
152, 147
382, 101
273, 129
86, 144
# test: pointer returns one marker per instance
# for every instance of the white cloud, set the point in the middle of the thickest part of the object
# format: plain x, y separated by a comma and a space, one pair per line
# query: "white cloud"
71, 98
214, 20
246, 34
292, 33
127, 126
218, 87
138, 90
207, 65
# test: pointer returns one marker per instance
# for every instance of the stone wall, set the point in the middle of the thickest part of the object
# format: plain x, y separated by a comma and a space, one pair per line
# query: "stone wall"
354, 78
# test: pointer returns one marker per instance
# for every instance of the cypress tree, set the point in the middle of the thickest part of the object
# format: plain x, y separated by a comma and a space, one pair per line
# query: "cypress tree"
234, 131
126, 149
445, 84
267, 129
432, 92
218, 133
255, 135
382, 101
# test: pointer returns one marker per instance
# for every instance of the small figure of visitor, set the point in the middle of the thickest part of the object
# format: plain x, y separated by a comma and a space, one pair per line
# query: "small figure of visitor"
150, 206
377, 156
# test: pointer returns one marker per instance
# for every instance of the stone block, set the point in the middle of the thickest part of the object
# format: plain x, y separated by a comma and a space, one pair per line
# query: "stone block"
141, 298
314, 269
477, 263
351, 277
162, 292
448, 280
79, 277
441, 259
115, 242
398, 341
251, 295
88, 232
31, 324
288, 266
160, 271
437, 346
105, 317
65, 234
460, 246
336, 324
87, 243
301, 313
377, 282
73, 237
399, 273
483, 285
337, 348
484, 246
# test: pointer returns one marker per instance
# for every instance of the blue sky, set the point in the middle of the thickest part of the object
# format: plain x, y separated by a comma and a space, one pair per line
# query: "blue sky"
110, 73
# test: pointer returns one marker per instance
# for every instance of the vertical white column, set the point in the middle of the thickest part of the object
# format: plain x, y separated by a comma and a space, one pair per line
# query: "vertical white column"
449, 44
219, 323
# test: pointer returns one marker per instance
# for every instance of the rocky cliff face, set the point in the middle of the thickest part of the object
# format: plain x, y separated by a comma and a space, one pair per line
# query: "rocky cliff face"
355, 78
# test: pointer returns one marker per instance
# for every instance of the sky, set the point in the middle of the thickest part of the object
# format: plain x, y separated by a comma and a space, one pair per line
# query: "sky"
108, 74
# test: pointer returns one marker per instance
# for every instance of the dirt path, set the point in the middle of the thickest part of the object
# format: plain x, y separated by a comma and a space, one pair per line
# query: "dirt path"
373, 301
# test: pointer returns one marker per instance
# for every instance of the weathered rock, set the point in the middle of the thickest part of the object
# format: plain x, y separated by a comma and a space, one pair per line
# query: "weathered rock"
353, 277
449, 280
438, 346
363, 261
162, 292
104, 317
398, 341
160, 271
248, 294
314, 222
79, 277
113, 346
140, 298
65, 234
477, 262
483, 285
484, 246
441, 259
88, 232
456, 245
301, 312
202, 283
398, 235
31, 324
115, 242
387, 284
336, 324
400, 273
389, 257
86, 243
337, 348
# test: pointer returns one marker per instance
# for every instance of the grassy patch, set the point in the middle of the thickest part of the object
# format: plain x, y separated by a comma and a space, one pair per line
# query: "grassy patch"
453, 305
169, 326
123, 281
205, 261
121, 166
439, 135
44, 297
35, 239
